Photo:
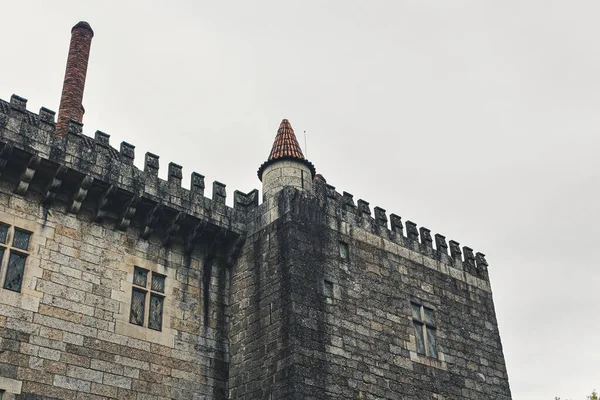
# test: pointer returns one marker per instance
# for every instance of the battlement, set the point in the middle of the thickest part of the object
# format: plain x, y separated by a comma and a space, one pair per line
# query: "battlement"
78, 167
409, 235
83, 171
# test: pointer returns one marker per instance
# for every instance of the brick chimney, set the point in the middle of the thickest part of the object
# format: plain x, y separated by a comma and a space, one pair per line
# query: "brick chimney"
77, 62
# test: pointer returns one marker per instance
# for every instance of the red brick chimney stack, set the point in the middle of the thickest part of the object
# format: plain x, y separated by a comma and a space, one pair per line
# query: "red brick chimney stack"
77, 62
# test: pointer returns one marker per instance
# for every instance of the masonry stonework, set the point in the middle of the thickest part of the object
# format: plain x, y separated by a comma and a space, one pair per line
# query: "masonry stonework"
117, 284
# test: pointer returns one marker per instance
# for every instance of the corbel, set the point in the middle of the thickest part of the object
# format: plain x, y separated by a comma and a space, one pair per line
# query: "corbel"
235, 250
217, 240
54, 185
193, 234
28, 174
81, 193
103, 202
151, 221
173, 227
128, 212
4, 155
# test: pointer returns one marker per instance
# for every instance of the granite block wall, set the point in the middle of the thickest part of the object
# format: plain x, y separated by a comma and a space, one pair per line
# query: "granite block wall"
67, 335
307, 296
346, 331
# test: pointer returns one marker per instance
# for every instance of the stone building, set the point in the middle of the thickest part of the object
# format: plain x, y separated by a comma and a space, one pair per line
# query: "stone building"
115, 283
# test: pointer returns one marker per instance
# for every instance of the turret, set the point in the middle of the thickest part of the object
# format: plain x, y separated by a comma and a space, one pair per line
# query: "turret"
286, 165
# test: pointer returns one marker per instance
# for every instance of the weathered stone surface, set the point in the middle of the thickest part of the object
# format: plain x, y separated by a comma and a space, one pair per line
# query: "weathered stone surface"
305, 296
290, 337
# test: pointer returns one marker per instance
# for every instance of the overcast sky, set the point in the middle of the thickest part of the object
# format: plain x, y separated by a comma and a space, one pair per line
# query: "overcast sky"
477, 119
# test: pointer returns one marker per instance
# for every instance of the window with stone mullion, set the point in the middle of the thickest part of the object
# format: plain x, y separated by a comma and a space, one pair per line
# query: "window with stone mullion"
425, 330
147, 295
14, 244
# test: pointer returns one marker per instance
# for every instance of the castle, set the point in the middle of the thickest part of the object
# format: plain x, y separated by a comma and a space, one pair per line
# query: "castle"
116, 284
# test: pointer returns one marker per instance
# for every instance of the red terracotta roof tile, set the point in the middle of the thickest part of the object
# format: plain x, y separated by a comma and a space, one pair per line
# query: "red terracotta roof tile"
286, 144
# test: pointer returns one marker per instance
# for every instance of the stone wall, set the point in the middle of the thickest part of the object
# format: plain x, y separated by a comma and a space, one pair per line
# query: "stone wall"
306, 296
93, 216
321, 322
67, 335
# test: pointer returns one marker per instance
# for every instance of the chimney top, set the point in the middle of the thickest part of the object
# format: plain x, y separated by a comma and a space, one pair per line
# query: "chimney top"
83, 25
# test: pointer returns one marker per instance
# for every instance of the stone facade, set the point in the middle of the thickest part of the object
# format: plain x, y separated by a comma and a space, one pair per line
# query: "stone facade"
305, 296
321, 308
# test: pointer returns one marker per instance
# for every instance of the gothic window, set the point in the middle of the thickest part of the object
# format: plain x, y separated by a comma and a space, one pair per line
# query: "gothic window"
425, 331
14, 245
147, 295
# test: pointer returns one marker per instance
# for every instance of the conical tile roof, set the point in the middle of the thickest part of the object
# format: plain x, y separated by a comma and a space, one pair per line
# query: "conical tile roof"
285, 144
285, 147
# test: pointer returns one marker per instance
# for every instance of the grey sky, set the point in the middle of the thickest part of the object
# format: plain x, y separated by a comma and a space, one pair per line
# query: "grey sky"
476, 119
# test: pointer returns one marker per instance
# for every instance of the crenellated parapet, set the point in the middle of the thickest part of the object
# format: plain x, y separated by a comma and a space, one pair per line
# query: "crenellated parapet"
408, 235
88, 173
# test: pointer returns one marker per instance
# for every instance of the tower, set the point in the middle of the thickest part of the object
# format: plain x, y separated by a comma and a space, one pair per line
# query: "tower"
286, 165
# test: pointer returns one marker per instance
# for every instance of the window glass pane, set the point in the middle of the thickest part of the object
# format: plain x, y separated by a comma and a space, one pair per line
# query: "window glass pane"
156, 311
3, 233
138, 302
428, 315
14, 272
419, 337
140, 277
158, 283
21, 239
416, 311
431, 344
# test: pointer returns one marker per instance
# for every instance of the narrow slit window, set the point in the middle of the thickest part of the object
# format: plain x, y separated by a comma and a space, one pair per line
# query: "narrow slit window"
344, 251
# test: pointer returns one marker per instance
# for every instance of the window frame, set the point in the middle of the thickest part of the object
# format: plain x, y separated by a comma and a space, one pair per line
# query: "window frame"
149, 292
427, 325
8, 248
